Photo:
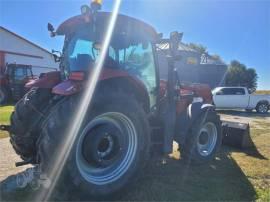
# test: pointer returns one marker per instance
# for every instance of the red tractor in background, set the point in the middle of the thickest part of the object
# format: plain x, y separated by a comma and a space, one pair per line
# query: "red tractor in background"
131, 108
13, 82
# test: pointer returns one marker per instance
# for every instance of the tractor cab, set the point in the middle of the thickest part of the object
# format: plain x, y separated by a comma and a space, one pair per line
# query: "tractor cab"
13, 81
131, 50
18, 74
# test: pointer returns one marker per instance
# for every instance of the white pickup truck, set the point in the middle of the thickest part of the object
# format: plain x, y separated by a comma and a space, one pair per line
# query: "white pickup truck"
240, 98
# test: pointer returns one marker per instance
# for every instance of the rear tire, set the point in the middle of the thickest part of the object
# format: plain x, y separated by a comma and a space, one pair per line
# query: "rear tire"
262, 107
24, 121
111, 147
204, 139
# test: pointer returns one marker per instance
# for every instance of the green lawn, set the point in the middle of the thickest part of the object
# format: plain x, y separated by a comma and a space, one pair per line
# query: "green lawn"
5, 112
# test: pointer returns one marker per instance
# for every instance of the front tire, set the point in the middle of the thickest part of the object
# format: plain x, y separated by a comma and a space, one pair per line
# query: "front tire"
204, 139
262, 107
111, 147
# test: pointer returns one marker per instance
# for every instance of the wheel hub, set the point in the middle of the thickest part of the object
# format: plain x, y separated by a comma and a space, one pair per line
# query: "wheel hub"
263, 108
101, 145
105, 146
203, 138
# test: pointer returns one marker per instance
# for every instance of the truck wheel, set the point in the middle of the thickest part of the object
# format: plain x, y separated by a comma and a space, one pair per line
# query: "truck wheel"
3, 95
24, 121
262, 107
204, 139
111, 147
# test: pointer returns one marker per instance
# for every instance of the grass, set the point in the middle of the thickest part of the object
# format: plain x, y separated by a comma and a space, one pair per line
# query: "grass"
5, 112
235, 175
255, 162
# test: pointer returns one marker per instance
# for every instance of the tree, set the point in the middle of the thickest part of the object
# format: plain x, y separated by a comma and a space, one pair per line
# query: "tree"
239, 75
217, 58
198, 47
203, 50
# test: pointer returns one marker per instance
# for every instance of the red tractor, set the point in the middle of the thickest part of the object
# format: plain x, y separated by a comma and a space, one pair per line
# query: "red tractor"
13, 81
130, 111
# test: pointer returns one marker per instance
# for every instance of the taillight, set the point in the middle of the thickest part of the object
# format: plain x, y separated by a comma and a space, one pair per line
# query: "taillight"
77, 76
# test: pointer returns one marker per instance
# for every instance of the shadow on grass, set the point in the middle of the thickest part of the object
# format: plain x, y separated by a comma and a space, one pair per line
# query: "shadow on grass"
221, 180
251, 151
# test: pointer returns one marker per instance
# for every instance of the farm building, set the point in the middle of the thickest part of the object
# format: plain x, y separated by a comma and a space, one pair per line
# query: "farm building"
193, 66
15, 49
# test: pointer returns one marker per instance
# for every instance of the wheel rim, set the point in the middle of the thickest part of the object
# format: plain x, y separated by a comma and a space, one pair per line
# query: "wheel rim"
106, 148
263, 108
207, 139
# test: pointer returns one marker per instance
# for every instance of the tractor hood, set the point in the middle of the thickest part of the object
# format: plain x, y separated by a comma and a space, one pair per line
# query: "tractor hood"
126, 28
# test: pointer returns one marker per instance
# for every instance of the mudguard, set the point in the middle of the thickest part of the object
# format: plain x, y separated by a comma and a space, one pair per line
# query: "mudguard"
185, 120
46, 80
74, 85
68, 87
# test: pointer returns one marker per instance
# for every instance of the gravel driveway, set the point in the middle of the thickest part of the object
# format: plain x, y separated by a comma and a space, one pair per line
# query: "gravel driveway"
7, 160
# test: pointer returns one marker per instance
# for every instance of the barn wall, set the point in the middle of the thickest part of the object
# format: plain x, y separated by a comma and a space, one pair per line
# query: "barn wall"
18, 50
2, 62
28, 60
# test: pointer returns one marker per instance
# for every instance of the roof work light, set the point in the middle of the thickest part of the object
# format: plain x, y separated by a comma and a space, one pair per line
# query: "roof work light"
96, 5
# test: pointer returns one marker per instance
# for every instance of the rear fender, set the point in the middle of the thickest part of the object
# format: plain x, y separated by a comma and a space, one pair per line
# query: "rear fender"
186, 119
113, 78
46, 80
68, 87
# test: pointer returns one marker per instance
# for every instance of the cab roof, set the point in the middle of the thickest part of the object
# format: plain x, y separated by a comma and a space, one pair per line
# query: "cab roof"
133, 28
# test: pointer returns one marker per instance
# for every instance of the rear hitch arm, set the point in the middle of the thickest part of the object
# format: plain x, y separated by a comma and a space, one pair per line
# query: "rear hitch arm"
5, 127
22, 163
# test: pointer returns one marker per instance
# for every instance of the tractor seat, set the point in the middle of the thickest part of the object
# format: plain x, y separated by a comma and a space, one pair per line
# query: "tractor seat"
84, 61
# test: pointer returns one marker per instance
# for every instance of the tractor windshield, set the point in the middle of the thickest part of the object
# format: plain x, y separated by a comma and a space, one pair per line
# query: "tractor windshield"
83, 52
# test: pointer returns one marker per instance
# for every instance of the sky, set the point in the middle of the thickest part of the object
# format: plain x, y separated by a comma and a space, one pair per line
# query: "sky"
233, 29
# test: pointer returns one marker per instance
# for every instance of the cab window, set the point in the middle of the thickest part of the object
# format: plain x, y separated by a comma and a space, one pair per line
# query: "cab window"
19, 73
231, 91
138, 60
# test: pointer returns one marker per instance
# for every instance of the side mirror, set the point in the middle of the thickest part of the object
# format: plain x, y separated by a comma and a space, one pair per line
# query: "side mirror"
51, 29
160, 36
56, 55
